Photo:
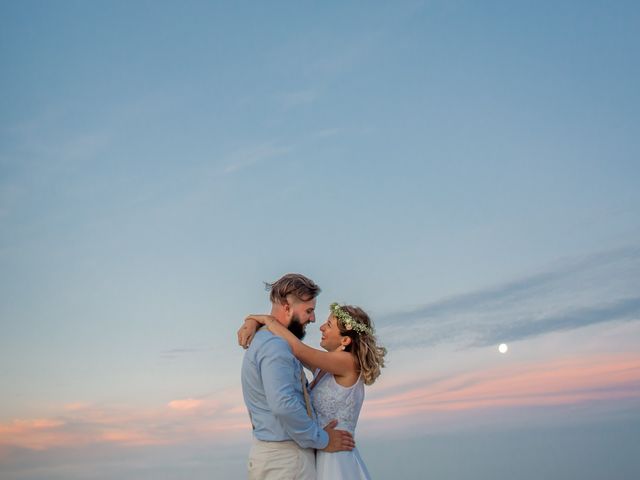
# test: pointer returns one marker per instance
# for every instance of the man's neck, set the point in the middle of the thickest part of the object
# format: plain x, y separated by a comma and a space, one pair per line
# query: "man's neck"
278, 313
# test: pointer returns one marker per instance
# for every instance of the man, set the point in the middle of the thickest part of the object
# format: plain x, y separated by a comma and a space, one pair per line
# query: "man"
274, 387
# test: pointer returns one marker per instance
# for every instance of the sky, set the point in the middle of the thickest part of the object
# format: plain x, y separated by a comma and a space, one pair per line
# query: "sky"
467, 172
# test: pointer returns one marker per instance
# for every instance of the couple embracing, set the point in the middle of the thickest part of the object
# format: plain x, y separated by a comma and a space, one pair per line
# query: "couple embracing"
301, 430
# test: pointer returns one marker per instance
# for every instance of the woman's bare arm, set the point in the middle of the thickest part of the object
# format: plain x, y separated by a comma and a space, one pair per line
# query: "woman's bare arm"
338, 363
247, 332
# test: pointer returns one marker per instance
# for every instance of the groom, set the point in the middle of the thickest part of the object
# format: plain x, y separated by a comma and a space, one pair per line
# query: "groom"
285, 430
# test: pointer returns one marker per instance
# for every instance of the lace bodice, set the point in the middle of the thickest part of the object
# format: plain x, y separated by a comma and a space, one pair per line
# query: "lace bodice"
333, 401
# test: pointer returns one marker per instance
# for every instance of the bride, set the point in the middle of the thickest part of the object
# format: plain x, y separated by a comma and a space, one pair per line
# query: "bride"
352, 359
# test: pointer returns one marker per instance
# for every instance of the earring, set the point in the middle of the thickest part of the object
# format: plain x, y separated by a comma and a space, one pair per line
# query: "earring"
342, 347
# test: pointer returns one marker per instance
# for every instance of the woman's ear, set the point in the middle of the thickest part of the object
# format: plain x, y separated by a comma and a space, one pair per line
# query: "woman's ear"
345, 341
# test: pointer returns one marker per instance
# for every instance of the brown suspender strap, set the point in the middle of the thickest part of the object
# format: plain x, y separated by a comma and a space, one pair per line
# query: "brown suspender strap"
305, 392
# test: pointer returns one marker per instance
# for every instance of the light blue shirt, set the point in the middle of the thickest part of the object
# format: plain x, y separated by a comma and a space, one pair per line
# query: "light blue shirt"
272, 391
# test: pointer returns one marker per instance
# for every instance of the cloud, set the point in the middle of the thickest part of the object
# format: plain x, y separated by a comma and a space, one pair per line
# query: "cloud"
403, 403
298, 98
71, 407
175, 352
248, 156
10, 194
37, 155
326, 133
186, 404
215, 418
583, 291
622, 310
571, 381
44, 146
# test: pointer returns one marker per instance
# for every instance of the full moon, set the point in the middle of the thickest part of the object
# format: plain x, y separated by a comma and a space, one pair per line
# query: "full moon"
502, 348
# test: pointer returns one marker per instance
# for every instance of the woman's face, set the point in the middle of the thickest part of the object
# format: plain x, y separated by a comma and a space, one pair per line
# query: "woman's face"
331, 337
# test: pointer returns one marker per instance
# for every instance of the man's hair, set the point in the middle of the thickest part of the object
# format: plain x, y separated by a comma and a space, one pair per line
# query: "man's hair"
294, 284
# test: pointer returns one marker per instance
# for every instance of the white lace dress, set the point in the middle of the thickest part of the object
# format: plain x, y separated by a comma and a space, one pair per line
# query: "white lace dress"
333, 401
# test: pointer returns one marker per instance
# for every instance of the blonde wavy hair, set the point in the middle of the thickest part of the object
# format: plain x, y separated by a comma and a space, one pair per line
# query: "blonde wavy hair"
364, 346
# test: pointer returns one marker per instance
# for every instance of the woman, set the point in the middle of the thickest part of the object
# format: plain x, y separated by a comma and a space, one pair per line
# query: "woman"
352, 359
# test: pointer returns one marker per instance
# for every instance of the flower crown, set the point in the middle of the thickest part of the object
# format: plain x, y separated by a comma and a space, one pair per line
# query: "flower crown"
348, 321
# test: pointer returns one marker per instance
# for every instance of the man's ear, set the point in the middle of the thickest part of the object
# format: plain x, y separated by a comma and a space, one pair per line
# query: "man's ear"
286, 306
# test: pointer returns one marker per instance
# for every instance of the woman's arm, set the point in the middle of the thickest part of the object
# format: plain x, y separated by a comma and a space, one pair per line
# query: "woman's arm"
338, 363
247, 331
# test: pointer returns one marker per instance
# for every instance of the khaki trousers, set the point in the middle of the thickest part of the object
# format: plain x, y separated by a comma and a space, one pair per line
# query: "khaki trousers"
281, 461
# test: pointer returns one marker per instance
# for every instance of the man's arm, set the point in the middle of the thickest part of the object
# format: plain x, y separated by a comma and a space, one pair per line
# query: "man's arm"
283, 391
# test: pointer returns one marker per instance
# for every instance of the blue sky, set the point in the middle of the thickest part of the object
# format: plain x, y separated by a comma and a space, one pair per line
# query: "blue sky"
465, 171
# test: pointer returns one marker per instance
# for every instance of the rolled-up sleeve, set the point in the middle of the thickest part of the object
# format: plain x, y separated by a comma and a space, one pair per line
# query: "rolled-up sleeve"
283, 390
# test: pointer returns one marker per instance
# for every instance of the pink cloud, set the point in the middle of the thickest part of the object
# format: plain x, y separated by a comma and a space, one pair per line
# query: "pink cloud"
182, 420
407, 402
562, 382
76, 406
186, 404
36, 434
129, 437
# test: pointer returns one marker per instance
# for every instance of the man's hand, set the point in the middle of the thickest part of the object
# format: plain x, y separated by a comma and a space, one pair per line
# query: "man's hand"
247, 331
339, 440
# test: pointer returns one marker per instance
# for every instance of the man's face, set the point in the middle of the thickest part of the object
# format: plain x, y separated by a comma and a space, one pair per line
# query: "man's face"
296, 327
301, 313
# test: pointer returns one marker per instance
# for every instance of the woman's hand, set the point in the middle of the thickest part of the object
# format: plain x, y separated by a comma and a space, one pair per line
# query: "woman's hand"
247, 331
251, 325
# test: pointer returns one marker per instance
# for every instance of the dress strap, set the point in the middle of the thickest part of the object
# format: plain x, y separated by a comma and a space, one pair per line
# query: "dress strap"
315, 381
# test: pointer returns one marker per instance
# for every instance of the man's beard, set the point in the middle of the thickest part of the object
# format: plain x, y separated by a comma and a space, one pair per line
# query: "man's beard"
296, 327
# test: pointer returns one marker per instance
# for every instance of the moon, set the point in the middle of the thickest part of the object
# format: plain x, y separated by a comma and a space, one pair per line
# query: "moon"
502, 348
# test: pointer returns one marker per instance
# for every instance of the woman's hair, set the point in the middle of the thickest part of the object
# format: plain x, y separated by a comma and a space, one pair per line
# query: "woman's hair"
363, 344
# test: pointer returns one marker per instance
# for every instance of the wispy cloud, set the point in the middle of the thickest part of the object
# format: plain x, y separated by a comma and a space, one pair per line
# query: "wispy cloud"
45, 146
556, 383
176, 352
9, 196
598, 288
248, 156
326, 133
186, 404
298, 98
222, 416
621, 310
181, 420
36, 154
